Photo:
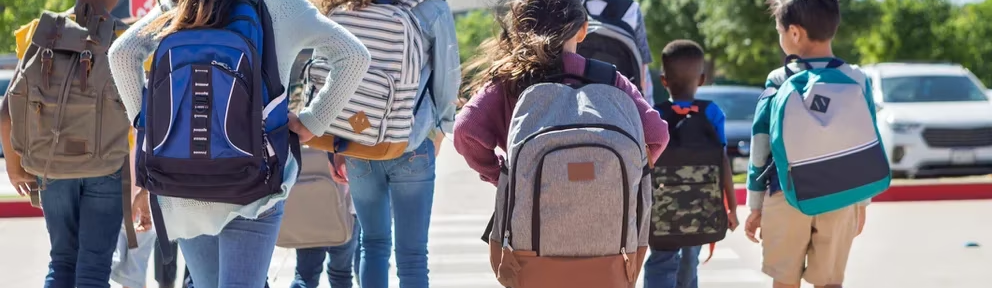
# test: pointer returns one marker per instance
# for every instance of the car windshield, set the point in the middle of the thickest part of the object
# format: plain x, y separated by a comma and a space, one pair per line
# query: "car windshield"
737, 105
931, 89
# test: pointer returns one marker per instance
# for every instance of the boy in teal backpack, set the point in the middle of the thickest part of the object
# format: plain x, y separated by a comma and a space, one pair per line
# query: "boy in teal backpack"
816, 160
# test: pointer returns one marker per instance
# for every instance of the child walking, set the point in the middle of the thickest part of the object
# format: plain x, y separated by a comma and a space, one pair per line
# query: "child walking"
675, 267
819, 255
549, 39
215, 235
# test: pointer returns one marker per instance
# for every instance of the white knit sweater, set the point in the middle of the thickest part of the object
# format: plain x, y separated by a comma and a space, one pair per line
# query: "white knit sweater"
297, 25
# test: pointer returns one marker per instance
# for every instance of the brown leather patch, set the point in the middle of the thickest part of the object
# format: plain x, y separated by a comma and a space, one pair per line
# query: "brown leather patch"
75, 147
359, 122
584, 171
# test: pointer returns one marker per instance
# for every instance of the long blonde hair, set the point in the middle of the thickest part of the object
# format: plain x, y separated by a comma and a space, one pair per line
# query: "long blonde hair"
529, 47
190, 14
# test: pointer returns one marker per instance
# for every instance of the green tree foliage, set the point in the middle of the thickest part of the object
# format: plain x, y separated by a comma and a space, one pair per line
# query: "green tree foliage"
971, 34
909, 30
15, 13
473, 28
859, 16
669, 20
741, 37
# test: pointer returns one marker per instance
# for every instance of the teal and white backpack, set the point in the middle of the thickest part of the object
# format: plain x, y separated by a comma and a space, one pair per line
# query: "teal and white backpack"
825, 144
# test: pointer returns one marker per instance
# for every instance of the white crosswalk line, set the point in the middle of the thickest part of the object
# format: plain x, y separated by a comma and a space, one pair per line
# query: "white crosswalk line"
456, 228
462, 218
458, 258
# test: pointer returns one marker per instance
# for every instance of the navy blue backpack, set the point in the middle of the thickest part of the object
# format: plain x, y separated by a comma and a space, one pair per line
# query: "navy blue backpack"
213, 123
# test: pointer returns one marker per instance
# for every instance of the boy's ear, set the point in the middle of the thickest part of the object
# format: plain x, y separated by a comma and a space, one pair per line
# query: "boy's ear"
796, 33
664, 80
702, 79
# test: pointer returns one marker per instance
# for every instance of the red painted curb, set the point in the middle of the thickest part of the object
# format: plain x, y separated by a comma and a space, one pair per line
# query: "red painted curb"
14, 209
896, 193
921, 192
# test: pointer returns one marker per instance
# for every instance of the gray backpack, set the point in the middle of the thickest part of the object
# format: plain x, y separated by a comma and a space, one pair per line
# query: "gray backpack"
67, 118
318, 211
571, 207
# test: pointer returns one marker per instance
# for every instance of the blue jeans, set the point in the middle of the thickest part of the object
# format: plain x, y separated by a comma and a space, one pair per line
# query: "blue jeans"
83, 217
672, 269
339, 267
402, 187
238, 256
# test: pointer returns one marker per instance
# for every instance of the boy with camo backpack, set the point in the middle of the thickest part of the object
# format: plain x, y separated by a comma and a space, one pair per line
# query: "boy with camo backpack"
693, 180
64, 132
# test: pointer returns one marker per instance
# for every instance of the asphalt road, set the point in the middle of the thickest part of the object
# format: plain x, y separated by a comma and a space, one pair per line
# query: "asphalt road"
907, 245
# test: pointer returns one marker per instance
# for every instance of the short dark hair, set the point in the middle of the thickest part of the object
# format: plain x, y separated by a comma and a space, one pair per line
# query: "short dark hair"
820, 18
682, 62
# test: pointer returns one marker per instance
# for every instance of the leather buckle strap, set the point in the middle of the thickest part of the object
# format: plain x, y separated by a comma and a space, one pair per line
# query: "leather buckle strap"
47, 57
85, 66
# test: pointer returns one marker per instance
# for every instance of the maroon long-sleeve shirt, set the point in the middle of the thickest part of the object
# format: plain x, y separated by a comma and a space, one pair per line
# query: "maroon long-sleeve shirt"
484, 122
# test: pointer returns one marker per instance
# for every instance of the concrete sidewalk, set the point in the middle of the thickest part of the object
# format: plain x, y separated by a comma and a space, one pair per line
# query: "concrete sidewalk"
905, 244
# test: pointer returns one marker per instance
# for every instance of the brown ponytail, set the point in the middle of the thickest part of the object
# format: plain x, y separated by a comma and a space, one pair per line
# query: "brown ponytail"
529, 47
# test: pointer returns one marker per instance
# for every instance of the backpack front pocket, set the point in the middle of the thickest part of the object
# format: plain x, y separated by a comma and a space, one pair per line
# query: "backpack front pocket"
363, 118
75, 120
200, 113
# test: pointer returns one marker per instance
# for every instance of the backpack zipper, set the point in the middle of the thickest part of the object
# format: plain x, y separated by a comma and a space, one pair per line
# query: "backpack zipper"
227, 68
821, 158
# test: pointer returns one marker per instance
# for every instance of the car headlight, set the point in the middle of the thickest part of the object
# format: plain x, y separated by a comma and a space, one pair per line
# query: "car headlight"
744, 147
902, 126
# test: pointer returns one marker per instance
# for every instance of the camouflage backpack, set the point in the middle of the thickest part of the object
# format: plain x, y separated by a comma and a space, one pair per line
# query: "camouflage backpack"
688, 208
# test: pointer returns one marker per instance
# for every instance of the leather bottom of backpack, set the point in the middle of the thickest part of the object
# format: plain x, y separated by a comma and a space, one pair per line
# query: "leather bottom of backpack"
381, 151
676, 242
534, 271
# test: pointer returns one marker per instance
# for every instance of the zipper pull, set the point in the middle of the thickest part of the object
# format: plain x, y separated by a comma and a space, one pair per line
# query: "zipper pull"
623, 252
225, 67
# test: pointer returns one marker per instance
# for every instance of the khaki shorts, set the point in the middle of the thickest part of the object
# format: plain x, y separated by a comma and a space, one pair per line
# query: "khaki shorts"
797, 246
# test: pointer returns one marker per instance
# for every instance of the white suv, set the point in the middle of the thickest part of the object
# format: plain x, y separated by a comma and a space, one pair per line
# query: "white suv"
934, 119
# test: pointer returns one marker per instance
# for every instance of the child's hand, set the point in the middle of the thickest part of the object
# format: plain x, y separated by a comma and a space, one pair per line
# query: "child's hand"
752, 225
297, 127
733, 220
339, 173
141, 212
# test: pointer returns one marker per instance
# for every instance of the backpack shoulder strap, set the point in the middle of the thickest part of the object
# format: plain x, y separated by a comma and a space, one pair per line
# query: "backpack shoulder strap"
600, 72
270, 61
702, 105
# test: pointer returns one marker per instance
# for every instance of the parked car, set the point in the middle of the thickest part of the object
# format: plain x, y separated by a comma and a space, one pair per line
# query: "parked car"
738, 103
5, 77
934, 119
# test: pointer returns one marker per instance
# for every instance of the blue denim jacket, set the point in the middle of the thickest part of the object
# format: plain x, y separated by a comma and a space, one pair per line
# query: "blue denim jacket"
438, 27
